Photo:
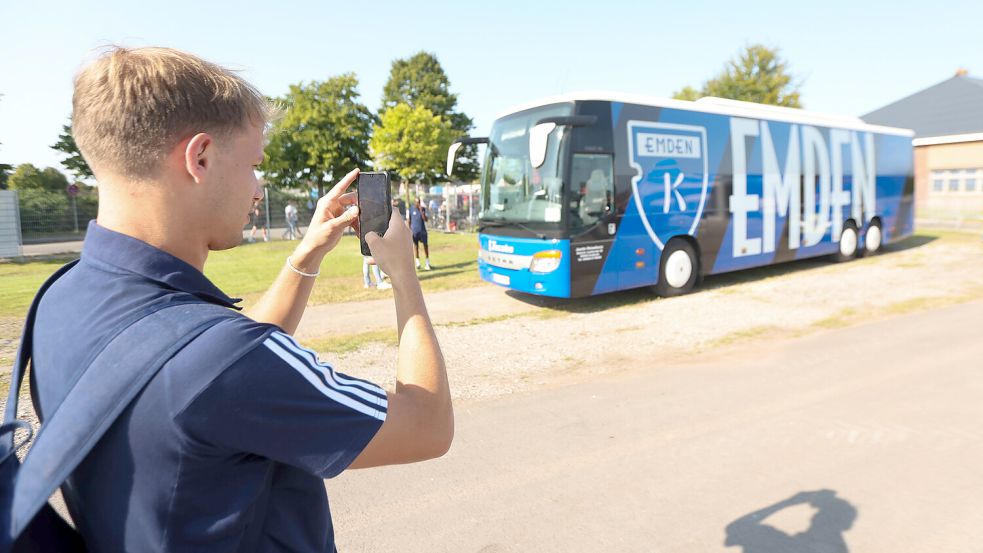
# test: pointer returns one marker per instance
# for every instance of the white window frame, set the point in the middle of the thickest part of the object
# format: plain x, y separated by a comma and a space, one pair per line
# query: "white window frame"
946, 176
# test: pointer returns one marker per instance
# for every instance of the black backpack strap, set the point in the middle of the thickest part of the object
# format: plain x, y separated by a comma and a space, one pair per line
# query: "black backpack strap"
106, 387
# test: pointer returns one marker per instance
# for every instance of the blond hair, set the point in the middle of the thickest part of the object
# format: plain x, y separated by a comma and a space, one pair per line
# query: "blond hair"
131, 106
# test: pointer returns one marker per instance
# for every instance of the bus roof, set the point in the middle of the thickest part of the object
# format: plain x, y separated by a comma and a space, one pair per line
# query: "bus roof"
721, 106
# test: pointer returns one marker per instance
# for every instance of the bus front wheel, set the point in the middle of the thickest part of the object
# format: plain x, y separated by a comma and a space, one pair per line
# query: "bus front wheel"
678, 269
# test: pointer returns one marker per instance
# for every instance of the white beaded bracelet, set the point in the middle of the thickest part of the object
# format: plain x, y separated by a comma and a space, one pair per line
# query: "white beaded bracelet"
298, 271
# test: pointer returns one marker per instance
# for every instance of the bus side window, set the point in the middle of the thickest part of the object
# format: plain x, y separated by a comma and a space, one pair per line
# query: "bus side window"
592, 193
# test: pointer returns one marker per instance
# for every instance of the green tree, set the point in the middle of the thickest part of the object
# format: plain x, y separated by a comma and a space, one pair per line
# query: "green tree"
4, 170
758, 74
29, 177
420, 81
412, 142
323, 134
4, 175
74, 163
687, 93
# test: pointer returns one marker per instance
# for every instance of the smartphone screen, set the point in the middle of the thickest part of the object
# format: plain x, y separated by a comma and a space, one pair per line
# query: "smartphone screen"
374, 205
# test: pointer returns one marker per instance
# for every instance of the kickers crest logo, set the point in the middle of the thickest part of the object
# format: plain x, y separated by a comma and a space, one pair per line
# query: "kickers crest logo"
670, 188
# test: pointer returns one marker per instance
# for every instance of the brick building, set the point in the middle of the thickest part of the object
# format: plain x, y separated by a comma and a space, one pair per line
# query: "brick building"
948, 122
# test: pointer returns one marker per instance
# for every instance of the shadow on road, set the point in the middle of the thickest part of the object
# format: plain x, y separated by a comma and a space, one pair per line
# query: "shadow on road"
712, 282
833, 517
438, 272
914, 241
471, 264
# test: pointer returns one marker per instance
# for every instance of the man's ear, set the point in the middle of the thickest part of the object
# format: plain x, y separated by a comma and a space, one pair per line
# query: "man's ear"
199, 155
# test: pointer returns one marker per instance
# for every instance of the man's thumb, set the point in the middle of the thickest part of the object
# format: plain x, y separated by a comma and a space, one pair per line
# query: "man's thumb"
371, 238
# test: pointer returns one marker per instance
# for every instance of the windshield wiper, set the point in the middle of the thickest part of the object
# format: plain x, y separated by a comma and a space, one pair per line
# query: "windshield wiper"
483, 223
502, 223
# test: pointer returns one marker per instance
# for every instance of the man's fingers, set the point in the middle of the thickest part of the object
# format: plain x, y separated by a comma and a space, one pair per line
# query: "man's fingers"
371, 238
343, 184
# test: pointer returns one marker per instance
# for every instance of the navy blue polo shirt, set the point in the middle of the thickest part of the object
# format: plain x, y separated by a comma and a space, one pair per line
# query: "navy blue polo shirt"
216, 454
417, 225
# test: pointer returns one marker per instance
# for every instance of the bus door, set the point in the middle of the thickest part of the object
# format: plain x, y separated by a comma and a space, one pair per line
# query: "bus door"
591, 216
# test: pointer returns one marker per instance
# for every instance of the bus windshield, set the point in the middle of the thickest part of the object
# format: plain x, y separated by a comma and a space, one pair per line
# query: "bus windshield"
512, 190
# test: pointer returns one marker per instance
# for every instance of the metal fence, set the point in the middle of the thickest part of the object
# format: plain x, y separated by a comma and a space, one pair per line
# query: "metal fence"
56, 217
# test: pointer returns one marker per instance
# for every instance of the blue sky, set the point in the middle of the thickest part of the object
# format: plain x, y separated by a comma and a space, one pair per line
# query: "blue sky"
850, 57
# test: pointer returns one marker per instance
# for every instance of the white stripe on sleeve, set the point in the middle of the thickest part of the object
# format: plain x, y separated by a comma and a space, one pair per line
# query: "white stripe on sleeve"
307, 372
353, 387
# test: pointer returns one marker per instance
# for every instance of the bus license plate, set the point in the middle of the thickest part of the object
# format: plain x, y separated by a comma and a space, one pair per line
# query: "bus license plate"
504, 280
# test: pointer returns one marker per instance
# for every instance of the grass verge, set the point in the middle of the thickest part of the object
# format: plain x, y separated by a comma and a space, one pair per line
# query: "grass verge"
247, 271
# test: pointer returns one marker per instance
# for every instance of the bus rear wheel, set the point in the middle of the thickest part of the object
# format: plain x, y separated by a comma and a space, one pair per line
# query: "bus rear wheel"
848, 243
678, 269
874, 238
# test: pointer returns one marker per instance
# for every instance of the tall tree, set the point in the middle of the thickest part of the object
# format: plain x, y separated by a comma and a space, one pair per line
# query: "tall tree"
28, 177
74, 163
4, 170
323, 134
688, 93
4, 175
758, 74
420, 81
412, 142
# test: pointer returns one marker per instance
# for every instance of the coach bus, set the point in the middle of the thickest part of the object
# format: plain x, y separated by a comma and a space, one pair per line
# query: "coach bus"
589, 193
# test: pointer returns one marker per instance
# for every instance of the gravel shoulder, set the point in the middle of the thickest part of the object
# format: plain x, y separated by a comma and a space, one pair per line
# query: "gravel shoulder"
557, 342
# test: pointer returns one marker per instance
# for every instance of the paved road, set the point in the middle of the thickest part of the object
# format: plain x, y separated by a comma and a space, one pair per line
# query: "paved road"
679, 456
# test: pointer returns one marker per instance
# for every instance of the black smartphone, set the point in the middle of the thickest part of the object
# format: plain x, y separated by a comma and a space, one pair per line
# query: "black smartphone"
375, 205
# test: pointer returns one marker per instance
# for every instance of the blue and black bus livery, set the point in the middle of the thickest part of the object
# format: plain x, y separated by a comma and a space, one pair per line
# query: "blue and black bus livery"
591, 193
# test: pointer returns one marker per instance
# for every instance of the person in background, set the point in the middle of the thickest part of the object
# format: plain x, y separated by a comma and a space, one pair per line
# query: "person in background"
432, 211
367, 263
417, 217
291, 215
258, 221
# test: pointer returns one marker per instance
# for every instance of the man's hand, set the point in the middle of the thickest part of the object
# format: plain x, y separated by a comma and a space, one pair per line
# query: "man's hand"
335, 212
394, 251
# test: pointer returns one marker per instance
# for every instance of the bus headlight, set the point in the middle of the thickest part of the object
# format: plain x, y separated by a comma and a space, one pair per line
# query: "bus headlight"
545, 261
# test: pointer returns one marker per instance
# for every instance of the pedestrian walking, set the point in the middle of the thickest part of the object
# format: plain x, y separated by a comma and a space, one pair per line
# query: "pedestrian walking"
417, 217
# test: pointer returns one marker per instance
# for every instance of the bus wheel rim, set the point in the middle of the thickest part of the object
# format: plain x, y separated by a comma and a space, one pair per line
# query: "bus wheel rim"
873, 242
848, 242
679, 269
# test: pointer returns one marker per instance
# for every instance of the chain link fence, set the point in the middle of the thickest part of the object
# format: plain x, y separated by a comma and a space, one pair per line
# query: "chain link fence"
55, 216
47, 216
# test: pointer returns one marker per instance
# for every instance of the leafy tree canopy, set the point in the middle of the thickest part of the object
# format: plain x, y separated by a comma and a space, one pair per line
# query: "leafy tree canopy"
420, 81
74, 163
758, 74
323, 134
4, 175
28, 177
412, 142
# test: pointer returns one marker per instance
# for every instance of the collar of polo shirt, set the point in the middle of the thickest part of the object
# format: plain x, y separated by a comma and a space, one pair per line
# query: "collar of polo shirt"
132, 255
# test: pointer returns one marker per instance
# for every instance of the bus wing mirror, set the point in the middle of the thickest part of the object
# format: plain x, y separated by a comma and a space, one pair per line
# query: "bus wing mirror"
539, 134
456, 146
451, 154
538, 140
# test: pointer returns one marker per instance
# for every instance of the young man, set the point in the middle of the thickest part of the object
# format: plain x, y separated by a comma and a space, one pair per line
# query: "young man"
417, 217
217, 453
